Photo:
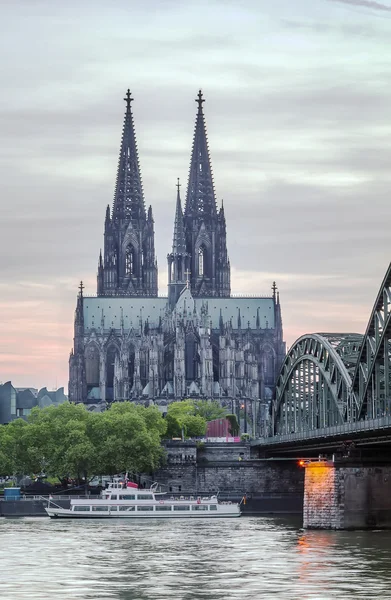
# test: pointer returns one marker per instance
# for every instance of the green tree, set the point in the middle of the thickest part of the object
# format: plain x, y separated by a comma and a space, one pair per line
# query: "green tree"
128, 437
70, 441
62, 437
15, 455
181, 416
209, 409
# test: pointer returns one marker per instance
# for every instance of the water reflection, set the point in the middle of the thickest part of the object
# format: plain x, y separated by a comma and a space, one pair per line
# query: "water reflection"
187, 560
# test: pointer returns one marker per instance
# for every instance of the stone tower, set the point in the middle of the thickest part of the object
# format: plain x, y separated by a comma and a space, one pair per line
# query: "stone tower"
205, 228
129, 266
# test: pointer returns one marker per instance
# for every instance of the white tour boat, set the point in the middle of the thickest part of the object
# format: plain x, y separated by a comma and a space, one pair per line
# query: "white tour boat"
127, 501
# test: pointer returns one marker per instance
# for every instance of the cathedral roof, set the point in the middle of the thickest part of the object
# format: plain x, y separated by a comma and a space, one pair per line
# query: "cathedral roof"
259, 312
129, 197
200, 199
133, 310
247, 308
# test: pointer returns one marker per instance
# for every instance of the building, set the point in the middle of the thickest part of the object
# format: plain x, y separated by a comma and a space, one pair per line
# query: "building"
18, 402
198, 341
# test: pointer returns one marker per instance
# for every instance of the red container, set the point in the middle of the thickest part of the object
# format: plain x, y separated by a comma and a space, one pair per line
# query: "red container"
218, 428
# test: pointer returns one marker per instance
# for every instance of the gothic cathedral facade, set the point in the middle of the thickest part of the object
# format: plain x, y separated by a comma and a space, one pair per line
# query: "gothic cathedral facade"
198, 341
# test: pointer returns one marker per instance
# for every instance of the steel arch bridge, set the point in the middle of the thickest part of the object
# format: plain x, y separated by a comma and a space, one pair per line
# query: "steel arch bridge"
329, 380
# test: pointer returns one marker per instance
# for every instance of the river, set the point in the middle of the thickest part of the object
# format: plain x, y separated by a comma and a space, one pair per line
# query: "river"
252, 558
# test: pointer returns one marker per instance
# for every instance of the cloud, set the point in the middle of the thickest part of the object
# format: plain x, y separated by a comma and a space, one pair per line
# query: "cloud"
299, 135
365, 3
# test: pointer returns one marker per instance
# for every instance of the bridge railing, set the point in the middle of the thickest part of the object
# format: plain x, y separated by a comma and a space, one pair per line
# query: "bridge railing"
335, 430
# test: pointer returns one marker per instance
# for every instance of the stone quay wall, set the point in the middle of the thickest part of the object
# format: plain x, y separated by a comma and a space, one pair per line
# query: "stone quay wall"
228, 468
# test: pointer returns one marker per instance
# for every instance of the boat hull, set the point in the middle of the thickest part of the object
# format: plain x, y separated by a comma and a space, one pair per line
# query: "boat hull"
57, 513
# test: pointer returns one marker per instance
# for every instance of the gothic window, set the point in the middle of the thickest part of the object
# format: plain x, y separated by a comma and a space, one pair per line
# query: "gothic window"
179, 269
268, 358
130, 260
201, 261
131, 368
191, 357
144, 366
92, 366
171, 274
110, 362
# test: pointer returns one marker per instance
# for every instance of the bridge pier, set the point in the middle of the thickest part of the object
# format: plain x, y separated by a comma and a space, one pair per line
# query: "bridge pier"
346, 496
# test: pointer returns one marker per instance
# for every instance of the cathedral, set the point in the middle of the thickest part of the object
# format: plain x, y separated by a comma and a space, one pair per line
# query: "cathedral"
198, 341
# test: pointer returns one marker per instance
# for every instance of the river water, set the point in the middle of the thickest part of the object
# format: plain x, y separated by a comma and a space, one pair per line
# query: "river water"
228, 559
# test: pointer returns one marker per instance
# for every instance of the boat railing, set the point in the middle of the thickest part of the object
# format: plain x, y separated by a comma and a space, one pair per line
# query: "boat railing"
25, 497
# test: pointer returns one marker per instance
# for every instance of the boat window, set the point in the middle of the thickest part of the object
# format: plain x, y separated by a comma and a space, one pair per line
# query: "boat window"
144, 497
200, 507
145, 508
213, 507
113, 497
84, 508
127, 497
182, 507
126, 508
100, 508
162, 507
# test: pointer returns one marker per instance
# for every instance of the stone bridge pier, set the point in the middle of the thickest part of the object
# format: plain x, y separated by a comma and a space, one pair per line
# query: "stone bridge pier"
347, 495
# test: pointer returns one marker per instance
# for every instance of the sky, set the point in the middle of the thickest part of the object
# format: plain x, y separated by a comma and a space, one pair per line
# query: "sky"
298, 111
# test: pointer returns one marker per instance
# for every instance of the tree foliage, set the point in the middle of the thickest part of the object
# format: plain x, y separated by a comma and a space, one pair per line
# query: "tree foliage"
70, 441
184, 417
209, 409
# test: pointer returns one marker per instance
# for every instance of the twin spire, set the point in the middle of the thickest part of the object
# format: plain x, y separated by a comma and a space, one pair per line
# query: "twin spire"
129, 202
128, 266
200, 199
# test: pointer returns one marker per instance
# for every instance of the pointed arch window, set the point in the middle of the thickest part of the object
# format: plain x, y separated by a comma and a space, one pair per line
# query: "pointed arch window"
179, 268
111, 355
201, 261
130, 261
92, 366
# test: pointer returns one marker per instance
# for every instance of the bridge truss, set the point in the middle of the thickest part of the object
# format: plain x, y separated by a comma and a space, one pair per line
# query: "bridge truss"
331, 379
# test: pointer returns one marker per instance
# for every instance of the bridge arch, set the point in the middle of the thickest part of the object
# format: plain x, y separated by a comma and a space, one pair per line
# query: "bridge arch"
314, 387
371, 379
333, 379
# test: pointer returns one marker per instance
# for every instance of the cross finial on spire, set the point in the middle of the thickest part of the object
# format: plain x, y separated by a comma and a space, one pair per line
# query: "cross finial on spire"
187, 273
81, 288
199, 100
178, 185
128, 99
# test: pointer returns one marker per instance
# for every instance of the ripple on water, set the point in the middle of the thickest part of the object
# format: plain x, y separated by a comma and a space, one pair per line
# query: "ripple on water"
186, 560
